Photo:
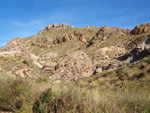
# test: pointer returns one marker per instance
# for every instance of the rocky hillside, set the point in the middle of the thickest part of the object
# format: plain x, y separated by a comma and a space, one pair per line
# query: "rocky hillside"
65, 53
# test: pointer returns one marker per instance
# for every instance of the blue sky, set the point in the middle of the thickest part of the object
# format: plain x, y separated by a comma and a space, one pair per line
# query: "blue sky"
23, 18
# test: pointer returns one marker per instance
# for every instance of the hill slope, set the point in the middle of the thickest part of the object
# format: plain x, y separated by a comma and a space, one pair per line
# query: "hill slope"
67, 69
68, 53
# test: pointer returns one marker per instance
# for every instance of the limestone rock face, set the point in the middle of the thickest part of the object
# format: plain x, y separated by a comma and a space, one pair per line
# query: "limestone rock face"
144, 28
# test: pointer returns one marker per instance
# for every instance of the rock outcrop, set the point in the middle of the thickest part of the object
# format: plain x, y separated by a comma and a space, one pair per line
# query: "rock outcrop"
107, 53
47, 57
14, 47
107, 32
73, 66
54, 26
134, 42
107, 57
75, 35
82, 52
140, 51
144, 28
45, 42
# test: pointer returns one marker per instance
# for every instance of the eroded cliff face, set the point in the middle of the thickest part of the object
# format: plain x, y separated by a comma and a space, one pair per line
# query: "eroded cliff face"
65, 53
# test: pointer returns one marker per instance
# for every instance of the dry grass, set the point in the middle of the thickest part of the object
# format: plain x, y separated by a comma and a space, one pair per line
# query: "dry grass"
133, 96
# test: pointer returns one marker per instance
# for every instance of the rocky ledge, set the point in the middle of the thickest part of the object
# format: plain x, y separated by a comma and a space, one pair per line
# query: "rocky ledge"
54, 26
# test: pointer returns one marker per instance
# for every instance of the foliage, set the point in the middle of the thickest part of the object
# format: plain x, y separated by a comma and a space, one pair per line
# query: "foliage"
26, 62
14, 93
125, 90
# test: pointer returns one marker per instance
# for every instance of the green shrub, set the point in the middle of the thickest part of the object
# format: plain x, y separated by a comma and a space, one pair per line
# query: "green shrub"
26, 62
13, 93
46, 96
42, 105
66, 100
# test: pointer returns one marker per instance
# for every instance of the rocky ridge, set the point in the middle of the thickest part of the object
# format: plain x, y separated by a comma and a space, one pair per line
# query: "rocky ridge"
13, 47
94, 53
47, 42
54, 26
144, 28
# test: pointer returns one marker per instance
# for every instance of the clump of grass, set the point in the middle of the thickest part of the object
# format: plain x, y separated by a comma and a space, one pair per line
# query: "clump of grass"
147, 60
66, 99
83, 83
14, 93
134, 96
124, 90
41, 79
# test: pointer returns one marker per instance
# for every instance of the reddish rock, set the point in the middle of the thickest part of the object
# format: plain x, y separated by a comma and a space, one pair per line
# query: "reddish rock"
144, 28
107, 32
75, 35
70, 66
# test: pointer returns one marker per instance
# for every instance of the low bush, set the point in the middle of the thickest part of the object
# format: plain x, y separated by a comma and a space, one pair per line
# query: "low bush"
26, 62
65, 100
14, 93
